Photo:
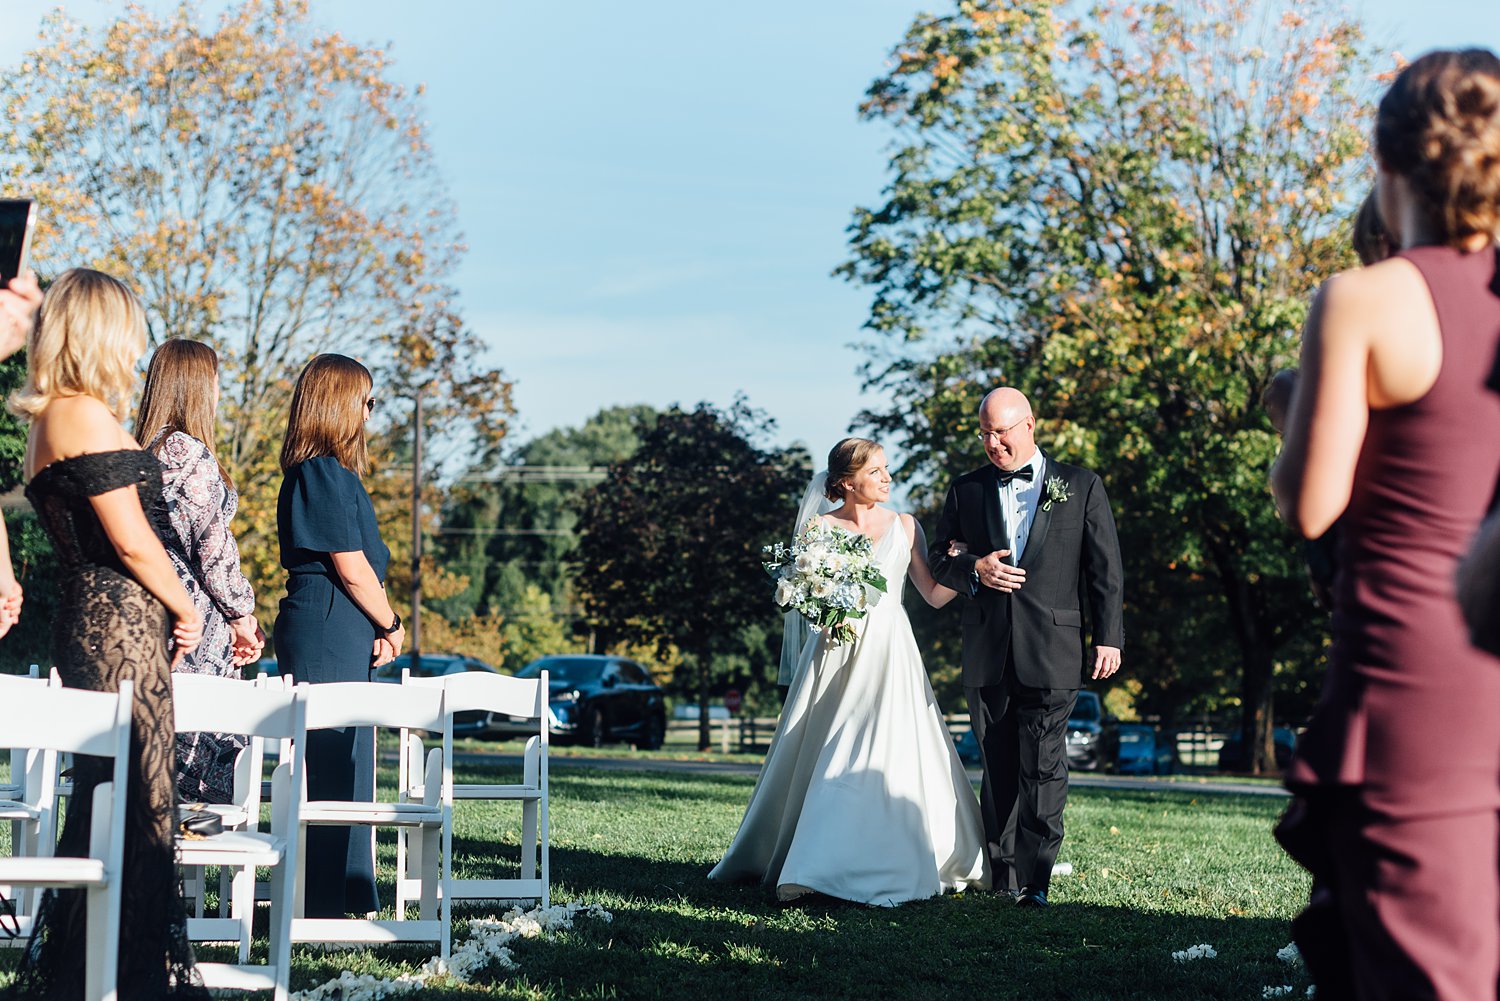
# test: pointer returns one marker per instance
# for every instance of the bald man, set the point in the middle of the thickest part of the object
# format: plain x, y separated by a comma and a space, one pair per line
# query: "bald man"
1040, 563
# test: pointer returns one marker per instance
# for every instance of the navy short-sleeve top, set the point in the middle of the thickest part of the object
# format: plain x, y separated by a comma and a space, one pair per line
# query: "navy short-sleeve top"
324, 508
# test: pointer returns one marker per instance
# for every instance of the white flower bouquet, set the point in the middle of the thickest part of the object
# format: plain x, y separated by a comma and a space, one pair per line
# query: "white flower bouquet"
829, 575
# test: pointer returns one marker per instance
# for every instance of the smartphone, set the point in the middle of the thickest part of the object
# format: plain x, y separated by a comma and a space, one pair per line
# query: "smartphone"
17, 217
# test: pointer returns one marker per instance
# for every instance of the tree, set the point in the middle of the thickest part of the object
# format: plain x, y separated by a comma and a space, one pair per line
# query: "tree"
514, 529
1124, 212
671, 542
267, 189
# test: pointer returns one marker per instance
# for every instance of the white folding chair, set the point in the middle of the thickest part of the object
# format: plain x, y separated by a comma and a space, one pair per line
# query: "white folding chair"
430, 821
225, 705
81, 722
32, 808
243, 810
523, 700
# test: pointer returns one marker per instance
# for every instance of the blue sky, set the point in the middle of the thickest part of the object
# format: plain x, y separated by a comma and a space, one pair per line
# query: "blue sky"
654, 193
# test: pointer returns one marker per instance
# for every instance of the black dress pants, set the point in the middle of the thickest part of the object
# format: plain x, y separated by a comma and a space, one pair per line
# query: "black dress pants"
1022, 734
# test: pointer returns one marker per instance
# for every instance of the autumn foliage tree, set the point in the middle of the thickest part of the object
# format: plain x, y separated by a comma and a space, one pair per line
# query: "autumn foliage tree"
268, 189
1124, 210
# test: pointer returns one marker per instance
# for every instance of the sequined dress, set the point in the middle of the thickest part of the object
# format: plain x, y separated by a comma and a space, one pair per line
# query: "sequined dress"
109, 627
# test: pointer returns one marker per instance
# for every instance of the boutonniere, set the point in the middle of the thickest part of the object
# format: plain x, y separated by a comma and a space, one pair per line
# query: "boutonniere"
1057, 491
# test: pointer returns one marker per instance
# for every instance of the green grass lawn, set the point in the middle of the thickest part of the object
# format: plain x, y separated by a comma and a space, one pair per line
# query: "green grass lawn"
1153, 873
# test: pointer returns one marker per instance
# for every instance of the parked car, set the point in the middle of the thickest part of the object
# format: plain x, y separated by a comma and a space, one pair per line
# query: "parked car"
1232, 756
1144, 750
967, 746
596, 699
1091, 734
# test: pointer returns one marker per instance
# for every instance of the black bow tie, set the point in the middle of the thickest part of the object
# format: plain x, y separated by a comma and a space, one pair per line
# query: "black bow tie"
1026, 473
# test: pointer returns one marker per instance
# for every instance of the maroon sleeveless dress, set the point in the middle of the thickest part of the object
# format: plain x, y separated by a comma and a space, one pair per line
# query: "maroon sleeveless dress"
1403, 752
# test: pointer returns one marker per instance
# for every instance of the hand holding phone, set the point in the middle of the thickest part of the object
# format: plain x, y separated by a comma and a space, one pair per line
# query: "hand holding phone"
17, 220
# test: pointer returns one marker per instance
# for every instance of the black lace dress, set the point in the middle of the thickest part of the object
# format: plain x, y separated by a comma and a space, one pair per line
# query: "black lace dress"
109, 627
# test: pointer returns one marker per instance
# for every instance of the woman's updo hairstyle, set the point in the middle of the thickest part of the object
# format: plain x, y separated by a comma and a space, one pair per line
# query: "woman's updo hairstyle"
846, 459
1439, 127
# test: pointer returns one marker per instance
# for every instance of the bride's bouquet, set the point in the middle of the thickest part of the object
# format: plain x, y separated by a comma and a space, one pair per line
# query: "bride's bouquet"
828, 575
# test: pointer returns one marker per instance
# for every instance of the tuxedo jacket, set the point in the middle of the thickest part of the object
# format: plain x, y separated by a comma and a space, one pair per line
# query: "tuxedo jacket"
1073, 582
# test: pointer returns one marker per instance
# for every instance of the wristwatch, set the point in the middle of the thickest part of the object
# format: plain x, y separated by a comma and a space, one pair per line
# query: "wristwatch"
387, 630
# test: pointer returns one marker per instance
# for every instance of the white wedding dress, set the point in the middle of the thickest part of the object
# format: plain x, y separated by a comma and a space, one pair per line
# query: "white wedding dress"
862, 796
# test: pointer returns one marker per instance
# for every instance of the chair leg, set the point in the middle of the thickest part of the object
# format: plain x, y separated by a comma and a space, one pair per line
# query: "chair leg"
299, 896
402, 868
192, 887
242, 905
427, 837
528, 839
102, 938
546, 838
279, 948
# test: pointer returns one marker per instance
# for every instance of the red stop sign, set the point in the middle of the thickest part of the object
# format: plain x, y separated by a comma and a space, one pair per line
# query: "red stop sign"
732, 700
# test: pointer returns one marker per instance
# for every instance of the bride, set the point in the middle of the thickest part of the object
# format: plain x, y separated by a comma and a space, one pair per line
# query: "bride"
862, 796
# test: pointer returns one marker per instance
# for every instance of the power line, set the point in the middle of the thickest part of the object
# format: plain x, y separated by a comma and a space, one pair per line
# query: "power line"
500, 531
540, 474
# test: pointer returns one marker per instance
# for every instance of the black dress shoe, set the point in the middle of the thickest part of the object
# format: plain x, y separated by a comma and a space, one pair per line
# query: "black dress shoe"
1032, 898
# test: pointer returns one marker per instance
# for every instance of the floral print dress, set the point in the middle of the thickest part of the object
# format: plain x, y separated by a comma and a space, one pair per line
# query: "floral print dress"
202, 505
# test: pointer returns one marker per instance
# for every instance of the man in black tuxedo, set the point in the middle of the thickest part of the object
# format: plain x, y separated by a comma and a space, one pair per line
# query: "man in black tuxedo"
1038, 550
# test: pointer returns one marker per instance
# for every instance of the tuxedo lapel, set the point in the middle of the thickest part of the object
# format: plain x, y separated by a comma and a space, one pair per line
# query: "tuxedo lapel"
994, 520
1041, 522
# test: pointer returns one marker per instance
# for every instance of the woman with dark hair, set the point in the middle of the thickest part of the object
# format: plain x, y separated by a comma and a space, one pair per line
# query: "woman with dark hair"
1393, 432
175, 423
335, 622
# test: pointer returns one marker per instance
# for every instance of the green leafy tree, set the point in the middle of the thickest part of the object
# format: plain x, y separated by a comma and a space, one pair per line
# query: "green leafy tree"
516, 531
671, 543
1123, 210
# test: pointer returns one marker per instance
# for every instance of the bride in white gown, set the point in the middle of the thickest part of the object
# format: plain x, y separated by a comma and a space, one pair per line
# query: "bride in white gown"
862, 796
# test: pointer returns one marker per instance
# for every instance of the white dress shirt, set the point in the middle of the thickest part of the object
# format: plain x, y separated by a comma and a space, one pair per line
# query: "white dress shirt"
1018, 503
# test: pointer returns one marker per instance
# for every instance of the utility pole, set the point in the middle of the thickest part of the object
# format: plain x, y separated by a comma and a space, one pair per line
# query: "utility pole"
416, 536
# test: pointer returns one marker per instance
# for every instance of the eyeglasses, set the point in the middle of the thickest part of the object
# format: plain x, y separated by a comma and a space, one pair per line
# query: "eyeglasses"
999, 435
370, 404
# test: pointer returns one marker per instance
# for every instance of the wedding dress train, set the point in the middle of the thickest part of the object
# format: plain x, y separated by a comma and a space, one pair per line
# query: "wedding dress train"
862, 796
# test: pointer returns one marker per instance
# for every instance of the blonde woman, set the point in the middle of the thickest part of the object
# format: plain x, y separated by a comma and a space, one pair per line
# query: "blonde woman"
176, 424
335, 621
121, 612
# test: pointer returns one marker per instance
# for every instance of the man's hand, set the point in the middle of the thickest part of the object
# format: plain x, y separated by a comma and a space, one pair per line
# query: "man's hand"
1106, 661
18, 305
995, 573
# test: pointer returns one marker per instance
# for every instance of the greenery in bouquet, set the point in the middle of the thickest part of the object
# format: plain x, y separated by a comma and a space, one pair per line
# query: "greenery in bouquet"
829, 575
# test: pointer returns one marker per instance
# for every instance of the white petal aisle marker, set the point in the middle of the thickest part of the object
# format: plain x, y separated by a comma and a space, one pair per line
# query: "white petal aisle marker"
488, 943
1201, 951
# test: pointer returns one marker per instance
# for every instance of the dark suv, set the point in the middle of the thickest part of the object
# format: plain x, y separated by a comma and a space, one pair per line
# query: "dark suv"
597, 699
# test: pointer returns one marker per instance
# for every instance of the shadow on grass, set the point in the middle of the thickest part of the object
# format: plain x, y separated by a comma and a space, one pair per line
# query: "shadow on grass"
676, 935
